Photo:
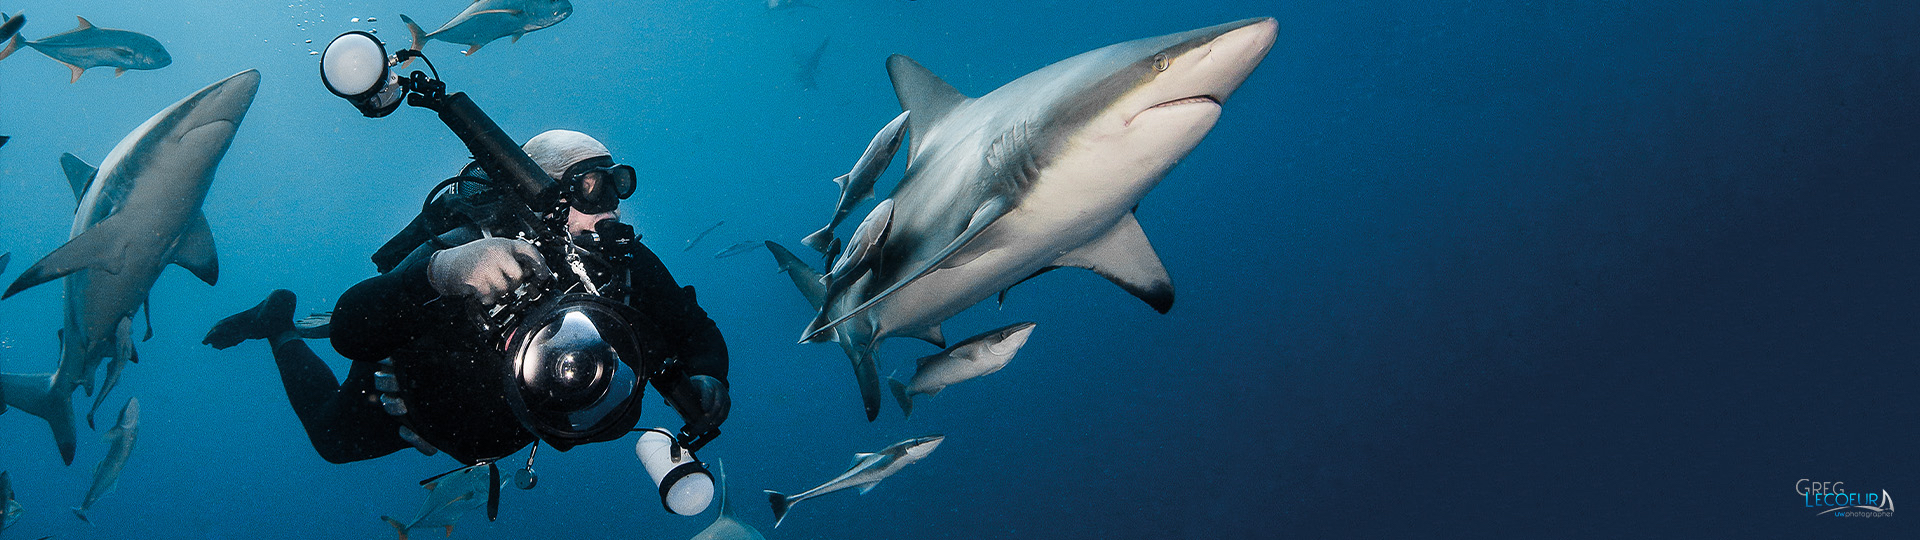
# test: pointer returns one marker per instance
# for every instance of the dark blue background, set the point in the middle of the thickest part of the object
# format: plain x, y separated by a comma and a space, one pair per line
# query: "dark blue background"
1465, 269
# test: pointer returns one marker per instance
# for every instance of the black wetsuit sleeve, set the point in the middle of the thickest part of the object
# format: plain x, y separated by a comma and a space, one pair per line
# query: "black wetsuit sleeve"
696, 340
384, 312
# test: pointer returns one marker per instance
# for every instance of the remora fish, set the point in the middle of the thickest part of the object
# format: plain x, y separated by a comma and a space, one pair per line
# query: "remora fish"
448, 498
10, 510
89, 47
1043, 172
139, 212
867, 471
488, 20
857, 185
703, 234
106, 475
741, 247
725, 526
976, 356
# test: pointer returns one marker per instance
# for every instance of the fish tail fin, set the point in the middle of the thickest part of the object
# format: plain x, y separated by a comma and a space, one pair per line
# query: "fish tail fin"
900, 393
12, 45
397, 526
780, 504
45, 396
419, 40
82, 514
820, 239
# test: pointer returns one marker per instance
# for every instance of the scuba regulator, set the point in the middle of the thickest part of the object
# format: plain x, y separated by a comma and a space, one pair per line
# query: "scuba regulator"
578, 357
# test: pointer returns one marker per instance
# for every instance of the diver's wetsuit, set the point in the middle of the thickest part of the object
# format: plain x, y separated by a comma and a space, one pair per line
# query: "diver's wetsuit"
454, 390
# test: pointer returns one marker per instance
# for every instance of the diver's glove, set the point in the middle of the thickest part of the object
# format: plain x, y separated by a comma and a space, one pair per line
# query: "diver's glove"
701, 400
486, 269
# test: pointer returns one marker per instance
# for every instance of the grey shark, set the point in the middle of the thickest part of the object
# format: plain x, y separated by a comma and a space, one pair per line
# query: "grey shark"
488, 20
857, 185
867, 471
1043, 172
703, 234
448, 498
89, 47
725, 526
973, 357
737, 248
138, 213
813, 286
808, 74
106, 475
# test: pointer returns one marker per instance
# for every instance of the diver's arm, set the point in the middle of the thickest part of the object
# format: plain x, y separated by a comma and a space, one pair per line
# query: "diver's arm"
699, 391
384, 312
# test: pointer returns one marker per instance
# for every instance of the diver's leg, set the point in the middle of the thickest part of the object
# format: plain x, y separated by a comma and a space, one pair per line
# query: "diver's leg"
344, 421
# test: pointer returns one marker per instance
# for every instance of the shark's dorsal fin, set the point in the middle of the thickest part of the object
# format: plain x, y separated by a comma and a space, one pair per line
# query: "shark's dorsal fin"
923, 93
194, 250
858, 457
79, 174
1125, 257
83, 23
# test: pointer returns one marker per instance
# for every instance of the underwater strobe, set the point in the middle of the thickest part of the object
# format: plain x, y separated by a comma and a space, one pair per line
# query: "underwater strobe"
577, 362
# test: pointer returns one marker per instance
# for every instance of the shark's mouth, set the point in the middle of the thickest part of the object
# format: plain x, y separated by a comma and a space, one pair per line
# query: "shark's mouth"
1175, 103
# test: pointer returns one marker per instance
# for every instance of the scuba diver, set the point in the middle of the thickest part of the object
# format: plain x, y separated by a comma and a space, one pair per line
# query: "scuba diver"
429, 371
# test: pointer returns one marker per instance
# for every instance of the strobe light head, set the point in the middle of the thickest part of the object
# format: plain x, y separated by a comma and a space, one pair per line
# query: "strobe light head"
354, 67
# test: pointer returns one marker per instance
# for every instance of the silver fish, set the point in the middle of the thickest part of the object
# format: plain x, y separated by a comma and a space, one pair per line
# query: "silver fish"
488, 20
703, 234
857, 185
973, 357
89, 47
742, 246
106, 475
867, 471
449, 497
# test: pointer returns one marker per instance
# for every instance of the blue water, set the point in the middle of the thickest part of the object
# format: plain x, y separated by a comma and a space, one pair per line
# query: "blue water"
1460, 269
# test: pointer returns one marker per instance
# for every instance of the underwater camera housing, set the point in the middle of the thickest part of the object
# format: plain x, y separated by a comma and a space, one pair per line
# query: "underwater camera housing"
578, 360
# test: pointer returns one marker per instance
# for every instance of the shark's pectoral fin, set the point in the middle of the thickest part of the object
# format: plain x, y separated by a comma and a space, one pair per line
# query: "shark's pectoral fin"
868, 487
101, 248
923, 93
1125, 257
194, 250
983, 217
79, 174
866, 371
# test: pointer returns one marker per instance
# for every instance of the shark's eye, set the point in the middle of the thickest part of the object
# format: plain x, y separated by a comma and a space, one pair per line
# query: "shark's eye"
1161, 62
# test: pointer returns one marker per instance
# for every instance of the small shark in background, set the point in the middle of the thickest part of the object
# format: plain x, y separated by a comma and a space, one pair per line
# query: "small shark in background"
488, 20
138, 213
867, 471
703, 234
973, 357
106, 475
809, 70
857, 185
1043, 172
742, 246
725, 526
448, 498
90, 47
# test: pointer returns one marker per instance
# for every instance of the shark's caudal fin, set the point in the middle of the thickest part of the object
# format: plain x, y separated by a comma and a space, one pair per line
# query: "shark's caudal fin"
44, 396
924, 93
780, 505
397, 526
900, 394
82, 514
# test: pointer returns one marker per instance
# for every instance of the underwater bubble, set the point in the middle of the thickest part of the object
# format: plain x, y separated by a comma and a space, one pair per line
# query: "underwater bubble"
373, 19
311, 53
355, 19
309, 41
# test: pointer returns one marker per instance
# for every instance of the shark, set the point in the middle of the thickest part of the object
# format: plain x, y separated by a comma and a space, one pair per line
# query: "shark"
807, 76
488, 20
866, 472
448, 497
106, 475
725, 526
87, 47
857, 184
977, 356
1043, 172
138, 212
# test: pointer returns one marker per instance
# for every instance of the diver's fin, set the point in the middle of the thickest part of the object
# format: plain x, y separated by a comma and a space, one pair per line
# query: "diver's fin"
924, 93
1124, 257
79, 174
99, 248
983, 217
194, 250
